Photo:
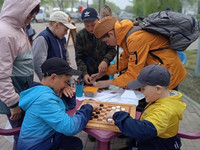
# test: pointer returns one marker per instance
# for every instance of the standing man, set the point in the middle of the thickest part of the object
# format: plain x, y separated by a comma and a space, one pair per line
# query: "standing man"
135, 55
92, 55
16, 71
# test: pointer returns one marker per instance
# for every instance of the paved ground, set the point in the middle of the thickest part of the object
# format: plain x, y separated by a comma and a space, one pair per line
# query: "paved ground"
190, 121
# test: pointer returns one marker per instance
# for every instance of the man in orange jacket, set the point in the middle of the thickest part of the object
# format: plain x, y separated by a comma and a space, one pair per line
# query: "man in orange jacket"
135, 55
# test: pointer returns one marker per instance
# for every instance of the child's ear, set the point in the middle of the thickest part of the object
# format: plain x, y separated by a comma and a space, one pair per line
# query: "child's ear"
53, 76
111, 33
159, 89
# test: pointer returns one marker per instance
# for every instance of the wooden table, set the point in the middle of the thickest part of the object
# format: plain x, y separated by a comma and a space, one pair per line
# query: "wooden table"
103, 137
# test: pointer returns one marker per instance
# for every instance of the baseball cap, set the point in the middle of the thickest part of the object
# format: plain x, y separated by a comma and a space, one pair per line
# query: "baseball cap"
58, 66
61, 17
104, 26
89, 14
151, 75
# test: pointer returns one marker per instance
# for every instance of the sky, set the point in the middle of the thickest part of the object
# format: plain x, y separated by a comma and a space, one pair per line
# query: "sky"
120, 3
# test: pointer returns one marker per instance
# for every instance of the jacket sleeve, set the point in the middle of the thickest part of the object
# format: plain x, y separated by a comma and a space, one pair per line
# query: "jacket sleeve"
7, 57
79, 51
139, 130
40, 50
55, 116
122, 64
135, 58
110, 55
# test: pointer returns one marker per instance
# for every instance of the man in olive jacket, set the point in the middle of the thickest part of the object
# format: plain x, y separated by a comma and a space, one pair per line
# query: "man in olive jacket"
92, 55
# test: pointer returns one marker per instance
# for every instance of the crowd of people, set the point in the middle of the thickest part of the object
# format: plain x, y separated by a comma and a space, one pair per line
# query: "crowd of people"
39, 108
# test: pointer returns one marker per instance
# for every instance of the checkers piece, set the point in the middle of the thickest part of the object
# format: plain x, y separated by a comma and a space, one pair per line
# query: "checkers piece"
110, 120
101, 105
97, 112
96, 116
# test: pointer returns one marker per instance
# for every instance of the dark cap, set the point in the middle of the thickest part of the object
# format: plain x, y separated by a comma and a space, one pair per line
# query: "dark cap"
151, 75
58, 66
89, 14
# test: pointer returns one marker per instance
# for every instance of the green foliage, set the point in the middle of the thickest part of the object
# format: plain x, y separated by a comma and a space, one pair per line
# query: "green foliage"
144, 7
113, 7
1, 3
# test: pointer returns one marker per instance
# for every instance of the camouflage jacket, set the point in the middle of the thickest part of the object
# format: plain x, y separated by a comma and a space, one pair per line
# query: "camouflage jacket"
90, 52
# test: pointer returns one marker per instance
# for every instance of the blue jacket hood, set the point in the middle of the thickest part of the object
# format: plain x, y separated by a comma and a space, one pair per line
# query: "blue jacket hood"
28, 97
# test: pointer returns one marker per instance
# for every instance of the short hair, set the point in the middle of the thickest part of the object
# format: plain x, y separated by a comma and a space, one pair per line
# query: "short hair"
105, 11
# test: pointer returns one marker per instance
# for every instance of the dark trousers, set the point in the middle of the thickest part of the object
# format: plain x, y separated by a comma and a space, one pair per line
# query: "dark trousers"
59, 142
15, 124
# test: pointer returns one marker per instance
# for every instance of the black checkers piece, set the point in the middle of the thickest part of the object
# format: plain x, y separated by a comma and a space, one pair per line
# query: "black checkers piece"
98, 112
92, 114
100, 108
96, 116
101, 105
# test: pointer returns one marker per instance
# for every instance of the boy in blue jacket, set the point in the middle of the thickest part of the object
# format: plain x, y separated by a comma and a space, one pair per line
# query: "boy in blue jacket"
46, 125
159, 122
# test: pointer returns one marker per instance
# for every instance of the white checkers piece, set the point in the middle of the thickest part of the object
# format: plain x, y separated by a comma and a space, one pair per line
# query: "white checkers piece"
123, 109
113, 108
117, 110
110, 120
118, 107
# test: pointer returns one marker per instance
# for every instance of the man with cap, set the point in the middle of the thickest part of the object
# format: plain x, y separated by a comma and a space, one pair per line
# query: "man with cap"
46, 125
92, 55
159, 123
136, 52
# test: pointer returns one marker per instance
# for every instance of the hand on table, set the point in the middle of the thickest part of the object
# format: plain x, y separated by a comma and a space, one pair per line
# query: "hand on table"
110, 114
15, 113
97, 76
95, 106
103, 67
103, 84
87, 79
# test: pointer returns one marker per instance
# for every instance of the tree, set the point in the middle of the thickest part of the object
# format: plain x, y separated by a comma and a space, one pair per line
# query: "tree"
129, 9
113, 7
1, 3
144, 7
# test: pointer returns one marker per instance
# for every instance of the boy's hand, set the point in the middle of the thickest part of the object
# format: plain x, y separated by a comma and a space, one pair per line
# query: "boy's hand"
103, 84
15, 113
68, 91
110, 114
95, 106
103, 67
87, 79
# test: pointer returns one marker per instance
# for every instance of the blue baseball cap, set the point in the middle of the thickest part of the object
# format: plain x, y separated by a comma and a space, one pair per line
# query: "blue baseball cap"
89, 14
151, 75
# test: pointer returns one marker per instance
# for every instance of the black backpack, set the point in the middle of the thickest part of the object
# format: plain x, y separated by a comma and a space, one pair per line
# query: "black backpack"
181, 30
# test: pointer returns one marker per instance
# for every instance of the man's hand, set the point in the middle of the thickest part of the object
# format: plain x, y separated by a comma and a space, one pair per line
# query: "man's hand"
87, 79
15, 113
103, 84
103, 67
97, 76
